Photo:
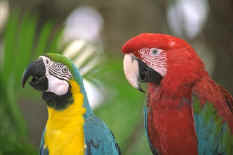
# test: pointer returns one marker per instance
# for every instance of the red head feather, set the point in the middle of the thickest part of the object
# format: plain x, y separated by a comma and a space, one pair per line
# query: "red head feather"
183, 65
153, 40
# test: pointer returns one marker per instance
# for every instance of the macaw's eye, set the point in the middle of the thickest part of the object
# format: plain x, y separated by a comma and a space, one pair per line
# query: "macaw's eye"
154, 51
64, 70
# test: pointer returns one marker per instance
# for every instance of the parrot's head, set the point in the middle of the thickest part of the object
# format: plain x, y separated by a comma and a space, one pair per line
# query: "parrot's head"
52, 75
162, 60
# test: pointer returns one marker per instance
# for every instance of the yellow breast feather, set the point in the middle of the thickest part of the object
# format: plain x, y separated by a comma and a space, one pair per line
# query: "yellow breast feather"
64, 133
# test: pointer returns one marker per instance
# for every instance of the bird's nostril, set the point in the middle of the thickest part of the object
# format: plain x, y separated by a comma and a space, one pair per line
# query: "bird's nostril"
35, 78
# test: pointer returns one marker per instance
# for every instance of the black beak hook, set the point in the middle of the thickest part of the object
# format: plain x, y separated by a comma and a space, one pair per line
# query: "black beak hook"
140, 89
27, 73
37, 70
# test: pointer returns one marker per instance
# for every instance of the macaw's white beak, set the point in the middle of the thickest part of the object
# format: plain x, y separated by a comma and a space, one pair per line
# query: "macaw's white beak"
137, 72
131, 70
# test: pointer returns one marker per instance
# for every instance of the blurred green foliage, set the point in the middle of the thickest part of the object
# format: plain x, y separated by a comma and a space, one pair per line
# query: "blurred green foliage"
21, 44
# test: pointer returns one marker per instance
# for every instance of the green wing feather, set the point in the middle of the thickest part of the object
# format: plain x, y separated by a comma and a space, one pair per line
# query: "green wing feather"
214, 135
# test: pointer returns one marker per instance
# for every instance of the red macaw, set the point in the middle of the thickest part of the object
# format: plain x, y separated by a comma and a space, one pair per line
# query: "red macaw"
186, 113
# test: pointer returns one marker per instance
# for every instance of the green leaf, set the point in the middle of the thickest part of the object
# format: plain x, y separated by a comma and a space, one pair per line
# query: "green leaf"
55, 41
17, 117
9, 45
43, 39
25, 43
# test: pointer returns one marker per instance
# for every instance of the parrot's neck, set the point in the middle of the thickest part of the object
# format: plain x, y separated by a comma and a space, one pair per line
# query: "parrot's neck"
170, 123
65, 128
79, 80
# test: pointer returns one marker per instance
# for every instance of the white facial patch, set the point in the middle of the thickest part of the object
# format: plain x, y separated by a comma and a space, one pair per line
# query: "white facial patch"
155, 59
131, 69
57, 75
57, 86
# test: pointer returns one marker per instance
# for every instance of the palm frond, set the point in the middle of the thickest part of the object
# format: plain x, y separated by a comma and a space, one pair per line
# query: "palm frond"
56, 39
43, 40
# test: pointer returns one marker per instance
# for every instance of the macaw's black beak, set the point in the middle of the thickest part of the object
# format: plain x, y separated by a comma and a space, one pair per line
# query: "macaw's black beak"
147, 74
137, 72
37, 70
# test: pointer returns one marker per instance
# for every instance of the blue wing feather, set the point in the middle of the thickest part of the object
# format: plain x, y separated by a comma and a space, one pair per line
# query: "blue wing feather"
98, 138
210, 131
43, 151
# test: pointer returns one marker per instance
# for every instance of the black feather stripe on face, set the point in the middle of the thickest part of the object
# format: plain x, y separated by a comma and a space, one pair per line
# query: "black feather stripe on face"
59, 76
58, 102
59, 70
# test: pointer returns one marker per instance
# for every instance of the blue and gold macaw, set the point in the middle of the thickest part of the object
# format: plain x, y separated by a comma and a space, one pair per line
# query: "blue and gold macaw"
72, 128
